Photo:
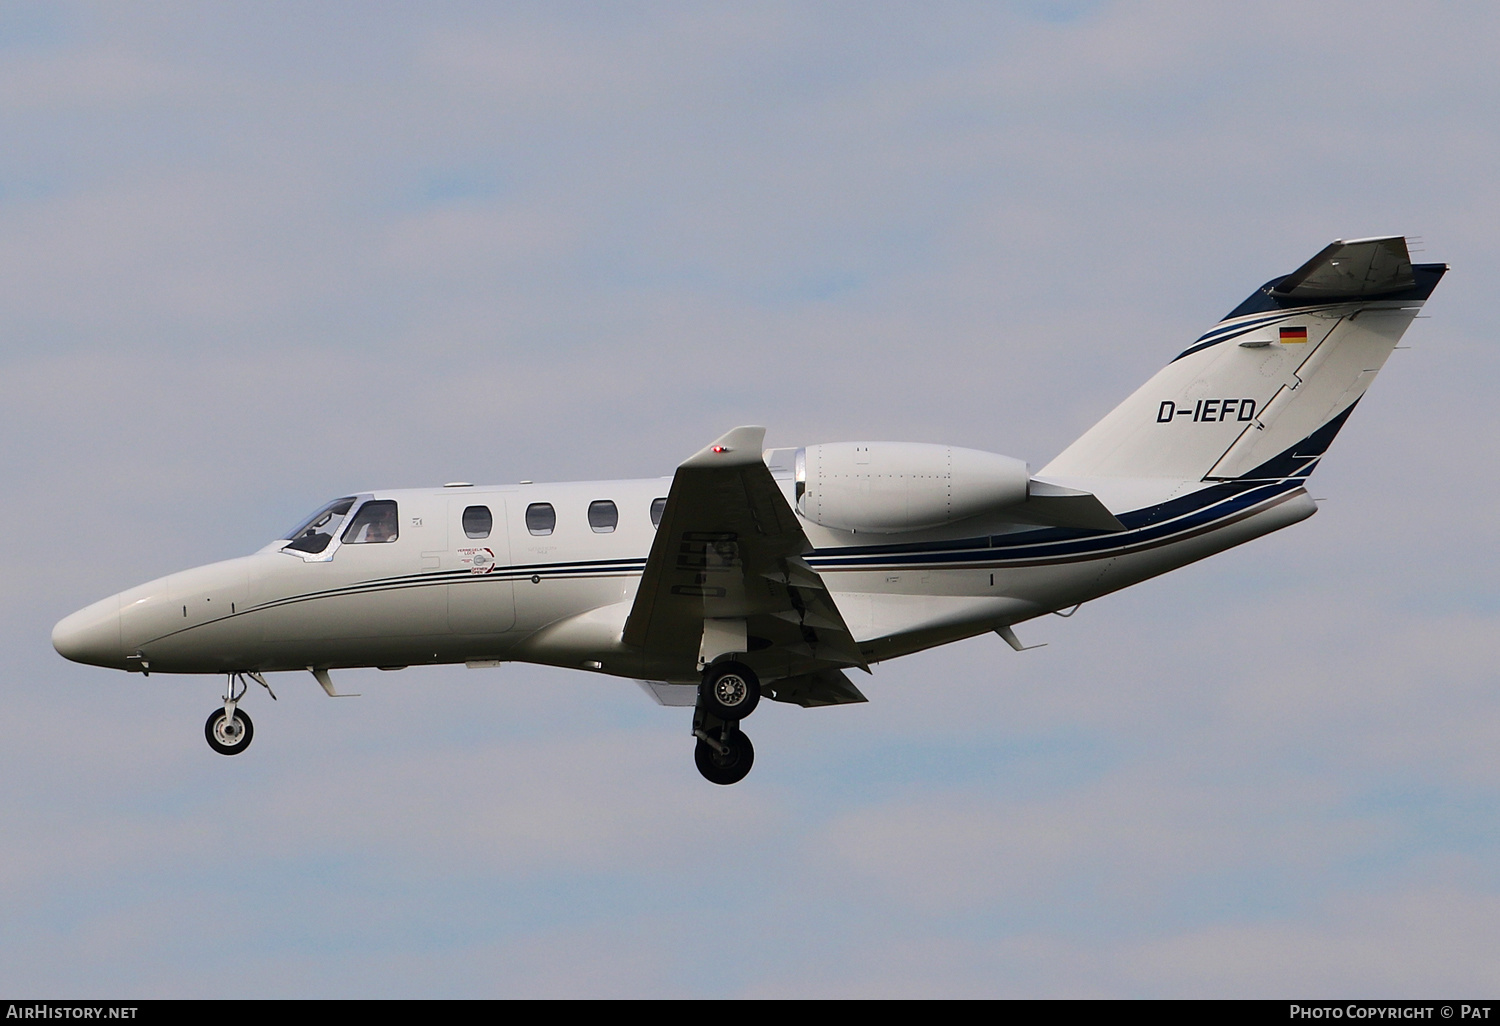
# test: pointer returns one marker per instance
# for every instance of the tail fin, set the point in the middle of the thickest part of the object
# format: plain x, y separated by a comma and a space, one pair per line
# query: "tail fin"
1263, 393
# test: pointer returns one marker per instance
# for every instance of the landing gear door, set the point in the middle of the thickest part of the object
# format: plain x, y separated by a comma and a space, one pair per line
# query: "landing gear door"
481, 597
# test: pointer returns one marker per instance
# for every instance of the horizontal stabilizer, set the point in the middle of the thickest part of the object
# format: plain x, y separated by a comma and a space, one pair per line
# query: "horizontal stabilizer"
1351, 270
1056, 506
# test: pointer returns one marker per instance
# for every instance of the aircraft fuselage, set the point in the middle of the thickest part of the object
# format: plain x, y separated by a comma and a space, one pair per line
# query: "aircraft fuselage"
434, 594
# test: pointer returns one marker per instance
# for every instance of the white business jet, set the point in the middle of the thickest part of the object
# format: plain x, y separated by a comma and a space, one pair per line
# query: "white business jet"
771, 573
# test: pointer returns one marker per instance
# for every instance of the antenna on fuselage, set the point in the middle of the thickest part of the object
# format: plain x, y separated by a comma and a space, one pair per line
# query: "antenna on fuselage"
322, 677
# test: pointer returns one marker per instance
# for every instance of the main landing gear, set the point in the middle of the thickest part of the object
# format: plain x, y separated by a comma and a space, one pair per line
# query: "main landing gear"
229, 729
729, 692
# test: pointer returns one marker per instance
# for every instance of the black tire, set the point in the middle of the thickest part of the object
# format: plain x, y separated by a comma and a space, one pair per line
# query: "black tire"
223, 741
732, 766
730, 691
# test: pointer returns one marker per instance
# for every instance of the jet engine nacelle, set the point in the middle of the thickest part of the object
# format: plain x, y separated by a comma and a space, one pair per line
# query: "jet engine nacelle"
887, 487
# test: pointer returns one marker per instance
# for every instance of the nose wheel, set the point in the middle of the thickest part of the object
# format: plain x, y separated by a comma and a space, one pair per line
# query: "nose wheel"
229, 729
229, 734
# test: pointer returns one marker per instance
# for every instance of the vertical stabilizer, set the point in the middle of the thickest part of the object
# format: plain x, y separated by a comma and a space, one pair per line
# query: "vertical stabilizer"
1263, 393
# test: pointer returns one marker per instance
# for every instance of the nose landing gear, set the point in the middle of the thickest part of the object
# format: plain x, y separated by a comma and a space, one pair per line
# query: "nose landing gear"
229, 729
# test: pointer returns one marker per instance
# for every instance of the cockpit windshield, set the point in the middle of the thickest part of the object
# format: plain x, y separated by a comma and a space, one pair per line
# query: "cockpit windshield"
320, 528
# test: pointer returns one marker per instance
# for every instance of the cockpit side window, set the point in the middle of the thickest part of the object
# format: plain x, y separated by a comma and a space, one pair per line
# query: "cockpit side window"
318, 530
375, 522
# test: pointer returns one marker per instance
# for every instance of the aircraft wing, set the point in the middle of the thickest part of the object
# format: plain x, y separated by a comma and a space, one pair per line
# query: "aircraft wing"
725, 572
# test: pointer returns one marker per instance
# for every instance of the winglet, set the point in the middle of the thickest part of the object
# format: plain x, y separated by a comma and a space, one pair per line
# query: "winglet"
735, 448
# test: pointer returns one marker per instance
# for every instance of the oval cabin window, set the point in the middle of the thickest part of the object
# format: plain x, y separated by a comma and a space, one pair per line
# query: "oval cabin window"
478, 521
541, 518
604, 516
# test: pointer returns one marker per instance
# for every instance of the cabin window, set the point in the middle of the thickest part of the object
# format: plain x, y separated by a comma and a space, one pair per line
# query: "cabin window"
375, 523
541, 518
657, 506
318, 530
478, 522
604, 516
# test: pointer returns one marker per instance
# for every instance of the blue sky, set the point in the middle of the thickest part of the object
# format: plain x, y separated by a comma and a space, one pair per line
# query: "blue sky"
554, 241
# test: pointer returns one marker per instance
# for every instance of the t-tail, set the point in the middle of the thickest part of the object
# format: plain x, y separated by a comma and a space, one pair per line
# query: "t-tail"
1261, 395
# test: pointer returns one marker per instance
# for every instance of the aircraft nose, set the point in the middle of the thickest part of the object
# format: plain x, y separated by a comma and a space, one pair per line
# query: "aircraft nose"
92, 635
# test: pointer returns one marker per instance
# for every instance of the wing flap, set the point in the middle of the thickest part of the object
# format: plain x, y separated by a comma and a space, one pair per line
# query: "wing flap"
682, 696
820, 688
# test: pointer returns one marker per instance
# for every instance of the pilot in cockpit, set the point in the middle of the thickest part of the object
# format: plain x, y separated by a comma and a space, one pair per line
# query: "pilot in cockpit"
374, 523
382, 526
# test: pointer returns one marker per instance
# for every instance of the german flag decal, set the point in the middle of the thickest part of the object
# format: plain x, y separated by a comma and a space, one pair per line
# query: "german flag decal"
1293, 335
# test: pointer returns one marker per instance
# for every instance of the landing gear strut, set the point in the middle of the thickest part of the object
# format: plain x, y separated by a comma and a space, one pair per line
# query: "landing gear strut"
730, 691
229, 729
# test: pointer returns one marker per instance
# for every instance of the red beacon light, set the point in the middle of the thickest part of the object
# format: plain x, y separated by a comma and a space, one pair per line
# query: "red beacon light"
721, 448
